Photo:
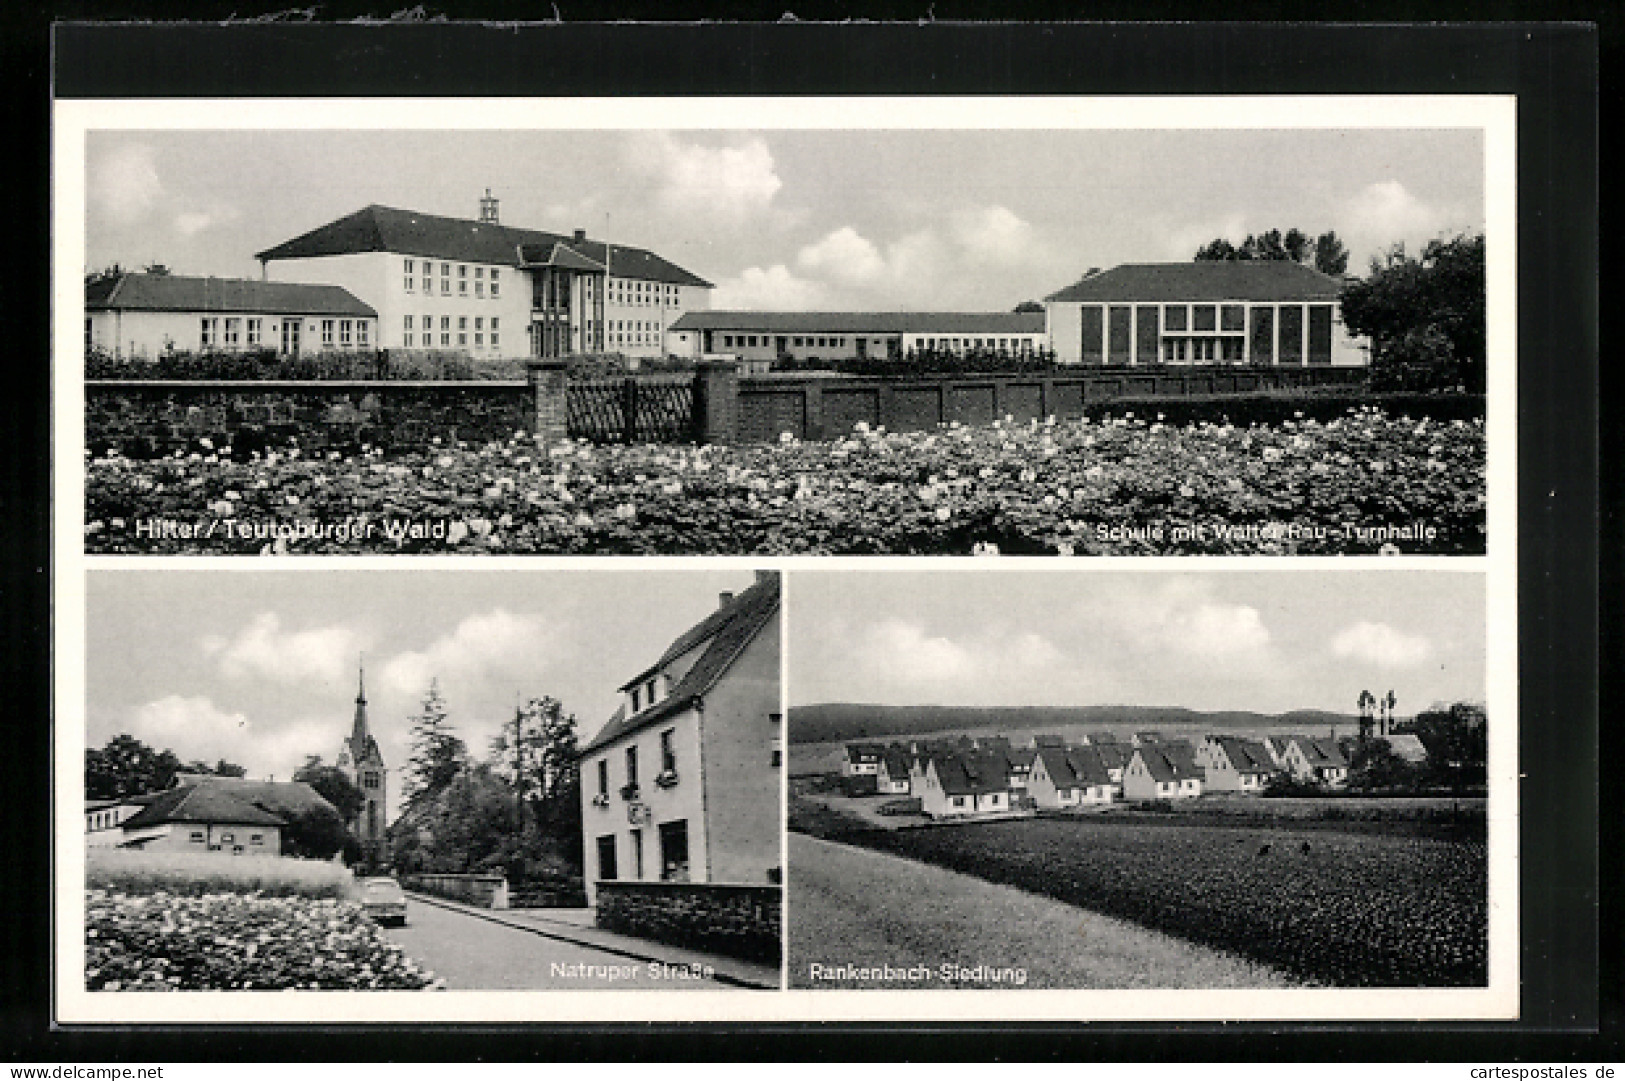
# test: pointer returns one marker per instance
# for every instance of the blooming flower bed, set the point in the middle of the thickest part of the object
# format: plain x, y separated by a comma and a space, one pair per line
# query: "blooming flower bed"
228, 941
1361, 483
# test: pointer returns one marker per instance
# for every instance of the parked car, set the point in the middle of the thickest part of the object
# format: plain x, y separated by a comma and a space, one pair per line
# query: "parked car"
384, 900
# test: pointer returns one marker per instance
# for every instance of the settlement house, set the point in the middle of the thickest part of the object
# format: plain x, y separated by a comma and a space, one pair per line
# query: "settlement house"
492, 290
837, 336
147, 315
682, 783
1321, 761
1261, 312
1070, 776
1234, 764
1162, 770
956, 784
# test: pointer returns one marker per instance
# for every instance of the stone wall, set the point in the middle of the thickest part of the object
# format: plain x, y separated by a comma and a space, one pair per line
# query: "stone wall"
737, 921
483, 891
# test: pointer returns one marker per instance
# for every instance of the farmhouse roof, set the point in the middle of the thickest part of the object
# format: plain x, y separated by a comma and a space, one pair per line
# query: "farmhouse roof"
1261, 280
174, 293
1322, 752
202, 803
865, 322
724, 633
1071, 767
377, 228
864, 752
1174, 761
896, 759
971, 775
1408, 746
1247, 755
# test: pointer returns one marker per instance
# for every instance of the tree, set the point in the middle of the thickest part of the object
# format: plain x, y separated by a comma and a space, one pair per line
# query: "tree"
537, 757
438, 756
333, 785
127, 767
1457, 740
1375, 765
1029, 306
1425, 316
1331, 257
221, 768
316, 831
1325, 253
1366, 703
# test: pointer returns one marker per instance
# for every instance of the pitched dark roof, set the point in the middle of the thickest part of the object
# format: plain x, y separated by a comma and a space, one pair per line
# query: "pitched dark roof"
1407, 746
865, 322
1260, 280
971, 775
1114, 755
1322, 752
408, 232
174, 293
896, 760
1246, 755
1073, 767
203, 803
1099, 738
725, 633
859, 752
1174, 761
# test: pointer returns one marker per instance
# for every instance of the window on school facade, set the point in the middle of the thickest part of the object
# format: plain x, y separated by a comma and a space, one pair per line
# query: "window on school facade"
408, 277
256, 331
327, 333
344, 333
207, 332
496, 285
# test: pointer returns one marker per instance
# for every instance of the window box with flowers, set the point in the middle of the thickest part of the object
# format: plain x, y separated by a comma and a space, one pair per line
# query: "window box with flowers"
666, 778
629, 791
601, 800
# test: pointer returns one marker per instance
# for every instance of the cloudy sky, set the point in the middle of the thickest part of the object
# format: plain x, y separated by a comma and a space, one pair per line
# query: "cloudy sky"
1255, 641
800, 219
260, 667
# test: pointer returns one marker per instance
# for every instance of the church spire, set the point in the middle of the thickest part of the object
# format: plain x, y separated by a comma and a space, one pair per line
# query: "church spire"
358, 732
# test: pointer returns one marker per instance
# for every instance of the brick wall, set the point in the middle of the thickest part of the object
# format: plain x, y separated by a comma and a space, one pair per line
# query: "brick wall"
811, 407
737, 921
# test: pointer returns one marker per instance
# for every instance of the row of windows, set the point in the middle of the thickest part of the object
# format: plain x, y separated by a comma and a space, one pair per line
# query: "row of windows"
411, 340
350, 332
1003, 345
668, 763
210, 333
412, 280
200, 836
626, 291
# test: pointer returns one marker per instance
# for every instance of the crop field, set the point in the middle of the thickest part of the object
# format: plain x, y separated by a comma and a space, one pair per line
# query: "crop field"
1343, 909
1365, 482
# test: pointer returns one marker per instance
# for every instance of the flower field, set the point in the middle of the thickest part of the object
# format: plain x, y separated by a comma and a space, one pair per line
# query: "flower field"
229, 941
1336, 909
1361, 483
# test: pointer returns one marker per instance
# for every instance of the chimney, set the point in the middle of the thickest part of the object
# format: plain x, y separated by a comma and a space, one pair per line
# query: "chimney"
488, 208
581, 235
724, 599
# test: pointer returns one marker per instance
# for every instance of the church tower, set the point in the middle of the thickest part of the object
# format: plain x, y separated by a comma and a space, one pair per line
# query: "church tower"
363, 763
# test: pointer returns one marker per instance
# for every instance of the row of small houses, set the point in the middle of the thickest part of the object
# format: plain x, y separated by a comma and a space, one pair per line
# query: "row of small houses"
965, 775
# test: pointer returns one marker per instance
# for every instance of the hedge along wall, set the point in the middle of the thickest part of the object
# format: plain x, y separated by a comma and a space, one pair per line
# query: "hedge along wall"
736, 921
812, 407
147, 417
483, 891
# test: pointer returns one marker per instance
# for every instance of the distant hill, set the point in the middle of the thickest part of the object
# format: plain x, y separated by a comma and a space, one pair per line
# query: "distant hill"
836, 721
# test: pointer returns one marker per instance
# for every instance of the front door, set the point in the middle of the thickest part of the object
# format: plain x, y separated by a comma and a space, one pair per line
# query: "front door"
863, 348
290, 336
781, 345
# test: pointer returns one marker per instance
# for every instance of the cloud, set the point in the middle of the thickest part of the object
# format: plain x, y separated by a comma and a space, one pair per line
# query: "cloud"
727, 184
190, 223
775, 289
264, 650
1386, 212
491, 644
125, 185
905, 652
1181, 241
930, 268
1181, 620
844, 256
195, 729
1381, 645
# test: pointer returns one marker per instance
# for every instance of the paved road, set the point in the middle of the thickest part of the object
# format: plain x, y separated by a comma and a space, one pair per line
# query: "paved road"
474, 954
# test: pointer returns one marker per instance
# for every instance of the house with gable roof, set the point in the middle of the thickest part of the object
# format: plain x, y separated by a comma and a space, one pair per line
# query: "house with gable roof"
493, 290
204, 818
1070, 776
1321, 761
1235, 764
958, 784
892, 778
681, 785
1163, 770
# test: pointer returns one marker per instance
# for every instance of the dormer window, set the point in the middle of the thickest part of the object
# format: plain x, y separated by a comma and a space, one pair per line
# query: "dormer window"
637, 699
649, 689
